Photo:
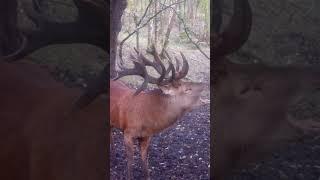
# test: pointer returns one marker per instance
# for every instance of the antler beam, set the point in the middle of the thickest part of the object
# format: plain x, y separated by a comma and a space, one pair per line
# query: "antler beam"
141, 62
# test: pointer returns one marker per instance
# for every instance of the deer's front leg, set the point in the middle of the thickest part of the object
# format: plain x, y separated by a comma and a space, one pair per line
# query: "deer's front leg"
128, 140
144, 145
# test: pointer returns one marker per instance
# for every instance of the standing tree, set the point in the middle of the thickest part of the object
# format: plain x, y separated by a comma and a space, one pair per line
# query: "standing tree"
117, 9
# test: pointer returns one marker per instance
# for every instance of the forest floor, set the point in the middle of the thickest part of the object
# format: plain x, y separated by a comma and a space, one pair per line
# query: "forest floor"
299, 161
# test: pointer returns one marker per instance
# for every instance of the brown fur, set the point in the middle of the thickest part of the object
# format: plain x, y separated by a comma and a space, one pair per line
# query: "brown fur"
149, 113
41, 138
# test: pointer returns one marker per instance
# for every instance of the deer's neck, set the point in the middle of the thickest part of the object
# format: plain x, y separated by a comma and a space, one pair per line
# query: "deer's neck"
163, 112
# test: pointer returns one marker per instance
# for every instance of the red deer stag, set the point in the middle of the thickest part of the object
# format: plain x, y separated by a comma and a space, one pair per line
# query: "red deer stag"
140, 116
49, 131
251, 100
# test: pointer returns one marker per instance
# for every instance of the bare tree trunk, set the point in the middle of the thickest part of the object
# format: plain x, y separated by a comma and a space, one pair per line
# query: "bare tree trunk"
166, 40
9, 34
141, 5
207, 24
149, 36
184, 9
117, 9
190, 12
149, 32
135, 17
163, 23
155, 24
180, 14
195, 17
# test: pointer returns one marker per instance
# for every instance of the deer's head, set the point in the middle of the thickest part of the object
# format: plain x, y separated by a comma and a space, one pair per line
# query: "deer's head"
172, 86
252, 100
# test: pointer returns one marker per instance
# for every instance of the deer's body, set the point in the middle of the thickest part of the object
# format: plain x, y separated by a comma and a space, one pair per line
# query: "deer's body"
41, 137
140, 116
145, 114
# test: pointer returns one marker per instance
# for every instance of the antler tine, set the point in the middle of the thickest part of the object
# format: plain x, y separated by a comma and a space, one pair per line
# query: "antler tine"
145, 82
185, 68
171, 67
169, 80
237, 32
145, 76
178, 64
173, 72
140, 70
158, 61
147, 62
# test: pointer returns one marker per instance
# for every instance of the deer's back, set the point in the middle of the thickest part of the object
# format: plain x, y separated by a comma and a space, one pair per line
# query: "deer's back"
39, 138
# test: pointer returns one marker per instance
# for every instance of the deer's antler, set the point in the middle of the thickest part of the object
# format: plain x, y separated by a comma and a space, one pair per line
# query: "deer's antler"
141, 62
236, 33
185, 67
90, 27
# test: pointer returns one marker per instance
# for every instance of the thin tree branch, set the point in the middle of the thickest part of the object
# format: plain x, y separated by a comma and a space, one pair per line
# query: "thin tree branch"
186, 31
143, 25
145, 12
